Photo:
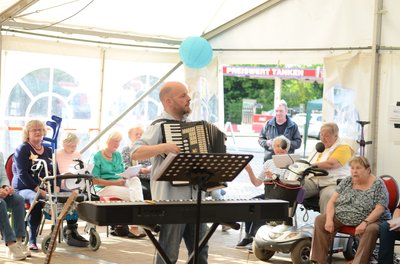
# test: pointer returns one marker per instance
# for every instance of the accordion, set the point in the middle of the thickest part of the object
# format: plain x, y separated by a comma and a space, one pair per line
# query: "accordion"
194, 137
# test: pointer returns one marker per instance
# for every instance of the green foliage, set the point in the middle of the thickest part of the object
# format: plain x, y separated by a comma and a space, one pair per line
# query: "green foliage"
238, 88
294, 92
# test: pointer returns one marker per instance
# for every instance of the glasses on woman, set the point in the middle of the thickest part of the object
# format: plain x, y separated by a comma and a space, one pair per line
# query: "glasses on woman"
36, 130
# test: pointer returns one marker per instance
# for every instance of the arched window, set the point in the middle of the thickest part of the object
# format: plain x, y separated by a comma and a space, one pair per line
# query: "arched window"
45, 92
40, 94
147, 110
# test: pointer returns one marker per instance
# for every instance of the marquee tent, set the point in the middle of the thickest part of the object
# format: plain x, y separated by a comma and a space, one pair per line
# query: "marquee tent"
357, 41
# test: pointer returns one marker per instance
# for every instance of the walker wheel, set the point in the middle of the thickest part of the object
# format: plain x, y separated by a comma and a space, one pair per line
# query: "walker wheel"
94, 239
46, 243
64, 233
26, 238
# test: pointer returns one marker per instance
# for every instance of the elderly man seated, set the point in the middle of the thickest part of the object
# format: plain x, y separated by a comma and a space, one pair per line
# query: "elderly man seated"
334, 159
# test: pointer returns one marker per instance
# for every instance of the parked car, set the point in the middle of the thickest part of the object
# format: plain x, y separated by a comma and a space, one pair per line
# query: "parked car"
314, 126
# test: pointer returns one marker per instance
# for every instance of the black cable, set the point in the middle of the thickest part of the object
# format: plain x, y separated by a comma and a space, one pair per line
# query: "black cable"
58, 22
45, 9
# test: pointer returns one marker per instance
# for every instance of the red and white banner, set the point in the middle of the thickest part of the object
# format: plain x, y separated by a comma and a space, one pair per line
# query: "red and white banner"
272, 72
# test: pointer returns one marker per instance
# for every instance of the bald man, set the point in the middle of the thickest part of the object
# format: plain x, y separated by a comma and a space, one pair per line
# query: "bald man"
175, 99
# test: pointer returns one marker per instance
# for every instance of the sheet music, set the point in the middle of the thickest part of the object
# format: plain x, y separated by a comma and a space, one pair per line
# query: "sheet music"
130, 172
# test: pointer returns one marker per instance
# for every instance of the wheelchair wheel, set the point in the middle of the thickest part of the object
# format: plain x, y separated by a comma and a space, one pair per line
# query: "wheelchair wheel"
351, 248
301, 252
262, 253
64, 233
94, 239
46, 243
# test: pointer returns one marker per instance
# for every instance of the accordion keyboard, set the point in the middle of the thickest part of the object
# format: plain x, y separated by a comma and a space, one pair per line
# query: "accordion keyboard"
190, 137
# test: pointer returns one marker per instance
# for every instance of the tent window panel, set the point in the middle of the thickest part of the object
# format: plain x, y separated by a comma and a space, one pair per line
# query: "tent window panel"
18, 101
37, 81
147, 109
38, 85
125, 81
63, 83
80, 106
39, 109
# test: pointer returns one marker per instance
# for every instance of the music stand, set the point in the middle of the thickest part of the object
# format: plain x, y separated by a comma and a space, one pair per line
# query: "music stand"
201, 169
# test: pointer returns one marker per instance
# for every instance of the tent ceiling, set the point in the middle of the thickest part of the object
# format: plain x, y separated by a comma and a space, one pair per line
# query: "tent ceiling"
154, 21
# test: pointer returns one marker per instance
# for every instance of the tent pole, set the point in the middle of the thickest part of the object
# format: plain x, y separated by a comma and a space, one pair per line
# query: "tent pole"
15, 9
103, 131
374, 81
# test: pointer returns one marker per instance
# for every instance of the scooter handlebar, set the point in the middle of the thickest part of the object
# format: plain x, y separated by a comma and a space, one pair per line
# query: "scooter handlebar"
316, 171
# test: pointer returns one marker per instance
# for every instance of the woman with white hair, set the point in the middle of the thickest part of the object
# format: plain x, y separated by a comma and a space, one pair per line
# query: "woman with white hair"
108, 164
268, 172
65, 158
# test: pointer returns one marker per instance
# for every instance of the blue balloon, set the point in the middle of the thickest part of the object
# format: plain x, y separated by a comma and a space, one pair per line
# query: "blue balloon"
195, 52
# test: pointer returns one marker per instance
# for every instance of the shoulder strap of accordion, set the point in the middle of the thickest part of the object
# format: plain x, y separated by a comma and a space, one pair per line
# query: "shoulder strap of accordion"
163, 120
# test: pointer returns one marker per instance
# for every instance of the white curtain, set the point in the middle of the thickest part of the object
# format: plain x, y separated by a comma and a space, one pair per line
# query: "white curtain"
346, 93
203, 88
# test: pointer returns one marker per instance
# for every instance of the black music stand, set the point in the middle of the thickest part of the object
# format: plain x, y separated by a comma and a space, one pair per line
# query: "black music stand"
202, 170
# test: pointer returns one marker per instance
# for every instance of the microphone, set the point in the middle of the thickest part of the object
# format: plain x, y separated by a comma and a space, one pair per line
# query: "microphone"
319, 147
283, 146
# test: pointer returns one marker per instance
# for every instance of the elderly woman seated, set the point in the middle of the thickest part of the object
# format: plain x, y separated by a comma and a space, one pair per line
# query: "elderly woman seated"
108, 165
269, 169
359, 200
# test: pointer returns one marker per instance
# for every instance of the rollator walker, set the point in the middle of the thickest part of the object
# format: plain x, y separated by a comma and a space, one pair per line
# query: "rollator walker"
54, 203
54, 200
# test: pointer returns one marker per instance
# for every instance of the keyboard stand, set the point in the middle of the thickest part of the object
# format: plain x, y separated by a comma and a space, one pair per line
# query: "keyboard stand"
200, 170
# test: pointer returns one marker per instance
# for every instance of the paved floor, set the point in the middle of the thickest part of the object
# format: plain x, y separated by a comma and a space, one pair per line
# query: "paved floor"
222, 244
120, 250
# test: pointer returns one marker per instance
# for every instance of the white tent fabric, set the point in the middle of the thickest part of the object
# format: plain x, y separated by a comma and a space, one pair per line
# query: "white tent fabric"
287, 31
167, 22
359, 33
343, 102
387, 135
